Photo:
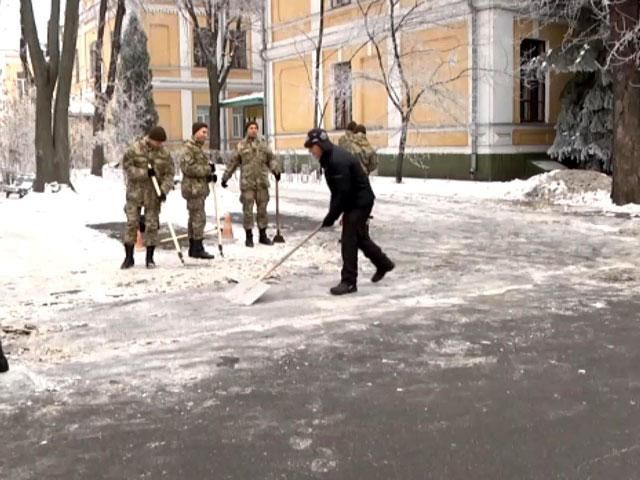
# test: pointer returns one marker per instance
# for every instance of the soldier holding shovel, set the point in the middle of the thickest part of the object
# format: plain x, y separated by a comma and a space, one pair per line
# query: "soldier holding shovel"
147, 159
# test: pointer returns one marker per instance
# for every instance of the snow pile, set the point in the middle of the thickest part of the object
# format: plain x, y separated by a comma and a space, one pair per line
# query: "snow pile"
564, 187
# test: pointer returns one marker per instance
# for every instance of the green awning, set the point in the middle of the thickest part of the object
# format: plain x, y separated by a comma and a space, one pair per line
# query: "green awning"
250, 100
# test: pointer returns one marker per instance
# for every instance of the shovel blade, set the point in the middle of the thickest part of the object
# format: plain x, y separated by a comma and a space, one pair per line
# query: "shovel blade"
247, 293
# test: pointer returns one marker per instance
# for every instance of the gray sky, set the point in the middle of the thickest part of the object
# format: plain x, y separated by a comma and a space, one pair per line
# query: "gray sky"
10, 22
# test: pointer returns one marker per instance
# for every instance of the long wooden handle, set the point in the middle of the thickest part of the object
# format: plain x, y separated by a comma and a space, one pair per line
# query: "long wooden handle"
277, 207
154, 180
215, 204
291, 252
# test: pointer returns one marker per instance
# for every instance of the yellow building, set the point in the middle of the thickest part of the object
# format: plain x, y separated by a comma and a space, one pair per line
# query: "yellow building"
497, 136
12, 78
180, 87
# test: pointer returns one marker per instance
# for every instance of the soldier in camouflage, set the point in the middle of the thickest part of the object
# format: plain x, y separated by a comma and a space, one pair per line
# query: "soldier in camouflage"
255, 159
197, 172
146, 158
366, 154
346, 140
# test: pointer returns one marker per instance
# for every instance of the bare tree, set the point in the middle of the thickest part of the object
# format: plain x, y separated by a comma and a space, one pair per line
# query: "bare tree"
407, 78
317, 118
52, 77
611, 26
102, 99
218, 40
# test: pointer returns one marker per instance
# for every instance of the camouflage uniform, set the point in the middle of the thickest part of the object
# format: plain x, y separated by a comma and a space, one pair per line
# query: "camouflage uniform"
347, 140
255, 159
140, 190
366, 153
195, 186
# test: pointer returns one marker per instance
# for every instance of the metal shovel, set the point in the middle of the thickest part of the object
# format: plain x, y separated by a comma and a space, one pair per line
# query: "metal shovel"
248, 292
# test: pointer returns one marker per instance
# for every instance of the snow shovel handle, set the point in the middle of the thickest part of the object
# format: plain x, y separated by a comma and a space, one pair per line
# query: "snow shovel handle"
291, 252
154, 180
215, 204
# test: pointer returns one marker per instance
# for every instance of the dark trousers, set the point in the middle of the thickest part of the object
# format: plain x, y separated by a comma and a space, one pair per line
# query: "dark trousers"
355, 236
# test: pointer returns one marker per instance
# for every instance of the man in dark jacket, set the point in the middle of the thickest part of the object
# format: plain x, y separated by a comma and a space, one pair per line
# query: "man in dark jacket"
351, 196
4, 365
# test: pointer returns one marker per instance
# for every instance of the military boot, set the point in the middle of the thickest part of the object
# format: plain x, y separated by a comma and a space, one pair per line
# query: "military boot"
344, 288
149, 261
264, 240
191, 251
249, 241
4, 365
128, 259
200, 252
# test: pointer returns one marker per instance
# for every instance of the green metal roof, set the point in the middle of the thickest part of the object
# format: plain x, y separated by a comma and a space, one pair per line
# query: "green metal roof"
250, 100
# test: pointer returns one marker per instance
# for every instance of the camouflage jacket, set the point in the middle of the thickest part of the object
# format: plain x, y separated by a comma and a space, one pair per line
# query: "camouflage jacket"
255, 159
195, 170
366, 154
135, 163
346, 140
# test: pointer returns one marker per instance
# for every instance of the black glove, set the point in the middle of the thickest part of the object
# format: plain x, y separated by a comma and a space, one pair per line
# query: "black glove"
326, 223
163, 197
224, 184
151, 172
277, 175
212, 178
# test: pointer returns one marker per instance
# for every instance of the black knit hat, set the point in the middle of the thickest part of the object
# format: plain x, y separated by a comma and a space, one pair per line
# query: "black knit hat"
198, 126
158, 134
317, 136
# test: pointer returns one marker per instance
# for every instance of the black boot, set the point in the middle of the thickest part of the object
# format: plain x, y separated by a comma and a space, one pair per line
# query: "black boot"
149, 261
249, 241
200, 252
344, 288
191, 251
128, 259
4, 365
381, 272
264, 240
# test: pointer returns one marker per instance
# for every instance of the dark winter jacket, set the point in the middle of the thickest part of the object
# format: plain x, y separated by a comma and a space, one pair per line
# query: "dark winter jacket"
349, 185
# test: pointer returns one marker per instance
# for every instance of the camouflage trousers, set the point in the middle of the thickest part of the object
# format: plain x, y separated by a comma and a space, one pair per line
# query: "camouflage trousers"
197, 218
259, 197
152, 223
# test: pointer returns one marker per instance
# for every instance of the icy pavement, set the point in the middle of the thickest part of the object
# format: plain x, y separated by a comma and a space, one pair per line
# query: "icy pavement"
503, 346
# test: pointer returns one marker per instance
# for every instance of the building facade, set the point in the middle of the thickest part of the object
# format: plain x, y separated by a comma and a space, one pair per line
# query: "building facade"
478, 117
180, 87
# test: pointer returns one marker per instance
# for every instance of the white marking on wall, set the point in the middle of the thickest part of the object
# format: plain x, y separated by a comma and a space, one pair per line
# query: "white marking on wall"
186, 102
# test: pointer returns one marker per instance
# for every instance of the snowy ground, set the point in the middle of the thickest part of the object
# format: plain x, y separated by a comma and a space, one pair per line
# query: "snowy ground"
487, 273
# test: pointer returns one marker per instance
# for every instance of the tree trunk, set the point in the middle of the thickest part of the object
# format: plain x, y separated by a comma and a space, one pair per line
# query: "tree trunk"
97, 155
626, 92
401, 148
214, 110
316, 94
45, 149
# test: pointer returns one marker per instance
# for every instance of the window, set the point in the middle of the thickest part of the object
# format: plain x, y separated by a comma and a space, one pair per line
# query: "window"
532, 88
240, 57
93, 59
199, 56
237, 130
342, 95
21, 83
339, 3
202, 114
